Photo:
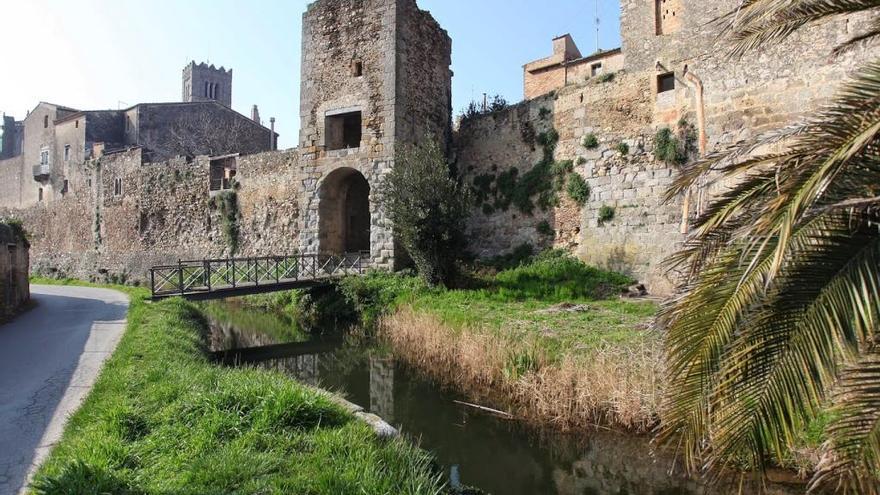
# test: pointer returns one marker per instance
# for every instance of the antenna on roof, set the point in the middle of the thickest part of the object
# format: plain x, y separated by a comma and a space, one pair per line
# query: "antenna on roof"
598, 21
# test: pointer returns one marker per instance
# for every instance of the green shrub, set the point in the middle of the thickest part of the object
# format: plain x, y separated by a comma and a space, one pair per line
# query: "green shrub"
375, 294
581, 160
428, 208
606, 214
520, 255
623, 148
548, 139
676, 147
590, 141
544, 228
606, 77
557, 276
494, 104
544, 112
578, 189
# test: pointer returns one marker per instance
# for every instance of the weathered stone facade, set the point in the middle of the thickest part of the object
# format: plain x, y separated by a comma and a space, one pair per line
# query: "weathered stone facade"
665, 43
375, 74
202, 82
162, 212
14, 284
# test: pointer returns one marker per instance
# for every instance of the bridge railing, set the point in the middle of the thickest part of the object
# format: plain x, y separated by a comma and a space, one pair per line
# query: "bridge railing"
209, 275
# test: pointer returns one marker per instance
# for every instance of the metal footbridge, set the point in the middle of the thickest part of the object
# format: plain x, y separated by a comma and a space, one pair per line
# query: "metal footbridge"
207, 279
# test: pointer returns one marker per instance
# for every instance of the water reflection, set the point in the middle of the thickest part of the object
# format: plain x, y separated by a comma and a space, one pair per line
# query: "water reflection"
477, 449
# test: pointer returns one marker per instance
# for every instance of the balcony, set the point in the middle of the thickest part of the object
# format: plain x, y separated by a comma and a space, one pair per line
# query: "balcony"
42, 172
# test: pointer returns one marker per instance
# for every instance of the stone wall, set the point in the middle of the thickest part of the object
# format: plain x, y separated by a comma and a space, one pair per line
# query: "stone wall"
14, 284
163, 213
424, 80
11, 181
644, 229
742, 98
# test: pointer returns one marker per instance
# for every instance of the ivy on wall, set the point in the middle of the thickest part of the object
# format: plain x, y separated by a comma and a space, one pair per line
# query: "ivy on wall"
226, 203
537, 188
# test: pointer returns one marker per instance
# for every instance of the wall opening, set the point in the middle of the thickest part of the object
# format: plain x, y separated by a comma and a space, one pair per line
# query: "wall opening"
342, 131
665, 82
222, 173
45, 122
40, 194
357, 68
344, 213
66, 152
117, 187
596, 69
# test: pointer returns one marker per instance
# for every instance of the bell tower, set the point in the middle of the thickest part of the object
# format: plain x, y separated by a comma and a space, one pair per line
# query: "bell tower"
203, 82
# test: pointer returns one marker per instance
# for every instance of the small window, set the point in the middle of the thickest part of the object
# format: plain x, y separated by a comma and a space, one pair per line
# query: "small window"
342, 131
665, 82
46, 122
66, 152
117, 187
596, 69
40, 194
44, 157
89, 182
222, 174
357, 68
65, 187
76, 124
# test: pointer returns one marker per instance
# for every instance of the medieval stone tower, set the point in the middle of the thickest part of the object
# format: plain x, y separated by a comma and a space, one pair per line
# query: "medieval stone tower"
375, 74
202, 82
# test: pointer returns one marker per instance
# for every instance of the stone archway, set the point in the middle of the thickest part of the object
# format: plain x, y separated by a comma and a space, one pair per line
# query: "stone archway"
344, 213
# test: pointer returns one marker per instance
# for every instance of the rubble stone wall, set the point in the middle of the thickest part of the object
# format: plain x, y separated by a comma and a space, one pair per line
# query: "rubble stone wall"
14, 284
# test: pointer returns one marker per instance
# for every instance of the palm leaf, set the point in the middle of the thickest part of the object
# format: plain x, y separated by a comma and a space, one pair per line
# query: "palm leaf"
853, 454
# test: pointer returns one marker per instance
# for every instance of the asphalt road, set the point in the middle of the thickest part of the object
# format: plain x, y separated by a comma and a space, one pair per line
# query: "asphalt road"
50, 357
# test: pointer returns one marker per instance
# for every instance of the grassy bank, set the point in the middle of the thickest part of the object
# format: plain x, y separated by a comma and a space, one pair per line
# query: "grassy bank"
163, 419
552, 339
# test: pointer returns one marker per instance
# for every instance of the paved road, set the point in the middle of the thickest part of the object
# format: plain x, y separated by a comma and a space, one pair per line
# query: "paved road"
50, 357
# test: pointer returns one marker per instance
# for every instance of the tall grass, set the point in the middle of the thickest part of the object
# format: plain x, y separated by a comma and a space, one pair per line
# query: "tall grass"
608, 384
498, 341
162, 419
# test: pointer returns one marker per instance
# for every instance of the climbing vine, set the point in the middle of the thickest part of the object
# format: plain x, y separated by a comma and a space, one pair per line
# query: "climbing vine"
537, 188
226, 203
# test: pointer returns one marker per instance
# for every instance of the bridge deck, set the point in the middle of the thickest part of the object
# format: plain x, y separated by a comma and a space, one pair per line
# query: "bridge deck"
220, 278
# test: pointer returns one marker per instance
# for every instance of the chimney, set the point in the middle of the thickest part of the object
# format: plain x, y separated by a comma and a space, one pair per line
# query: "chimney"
273, 145
255, 115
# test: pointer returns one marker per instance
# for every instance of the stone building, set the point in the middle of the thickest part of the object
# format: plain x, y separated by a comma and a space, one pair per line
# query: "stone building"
14, 273
672, 66
55, 142
203, 82
375, 74
567, 66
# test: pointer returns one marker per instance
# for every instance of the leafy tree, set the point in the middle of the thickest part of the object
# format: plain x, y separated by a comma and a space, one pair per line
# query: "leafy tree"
778, 314
428, 208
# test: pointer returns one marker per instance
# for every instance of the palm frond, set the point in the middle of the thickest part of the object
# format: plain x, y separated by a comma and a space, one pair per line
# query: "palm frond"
756, 23
853, 450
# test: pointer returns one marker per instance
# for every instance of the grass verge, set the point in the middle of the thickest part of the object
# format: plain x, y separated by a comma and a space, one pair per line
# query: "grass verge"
162, 419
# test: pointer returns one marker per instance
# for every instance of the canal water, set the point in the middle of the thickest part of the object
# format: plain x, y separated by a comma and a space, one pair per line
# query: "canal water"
475, 448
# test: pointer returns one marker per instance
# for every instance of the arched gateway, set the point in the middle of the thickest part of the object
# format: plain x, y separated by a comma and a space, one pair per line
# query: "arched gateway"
344, 213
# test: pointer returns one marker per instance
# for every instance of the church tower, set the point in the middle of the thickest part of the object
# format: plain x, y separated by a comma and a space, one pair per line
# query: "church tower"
202, 82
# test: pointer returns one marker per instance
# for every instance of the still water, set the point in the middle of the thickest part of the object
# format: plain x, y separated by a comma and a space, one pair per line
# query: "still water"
476, 449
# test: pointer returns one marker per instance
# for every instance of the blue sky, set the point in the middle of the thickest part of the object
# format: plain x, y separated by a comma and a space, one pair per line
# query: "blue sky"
94, 54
